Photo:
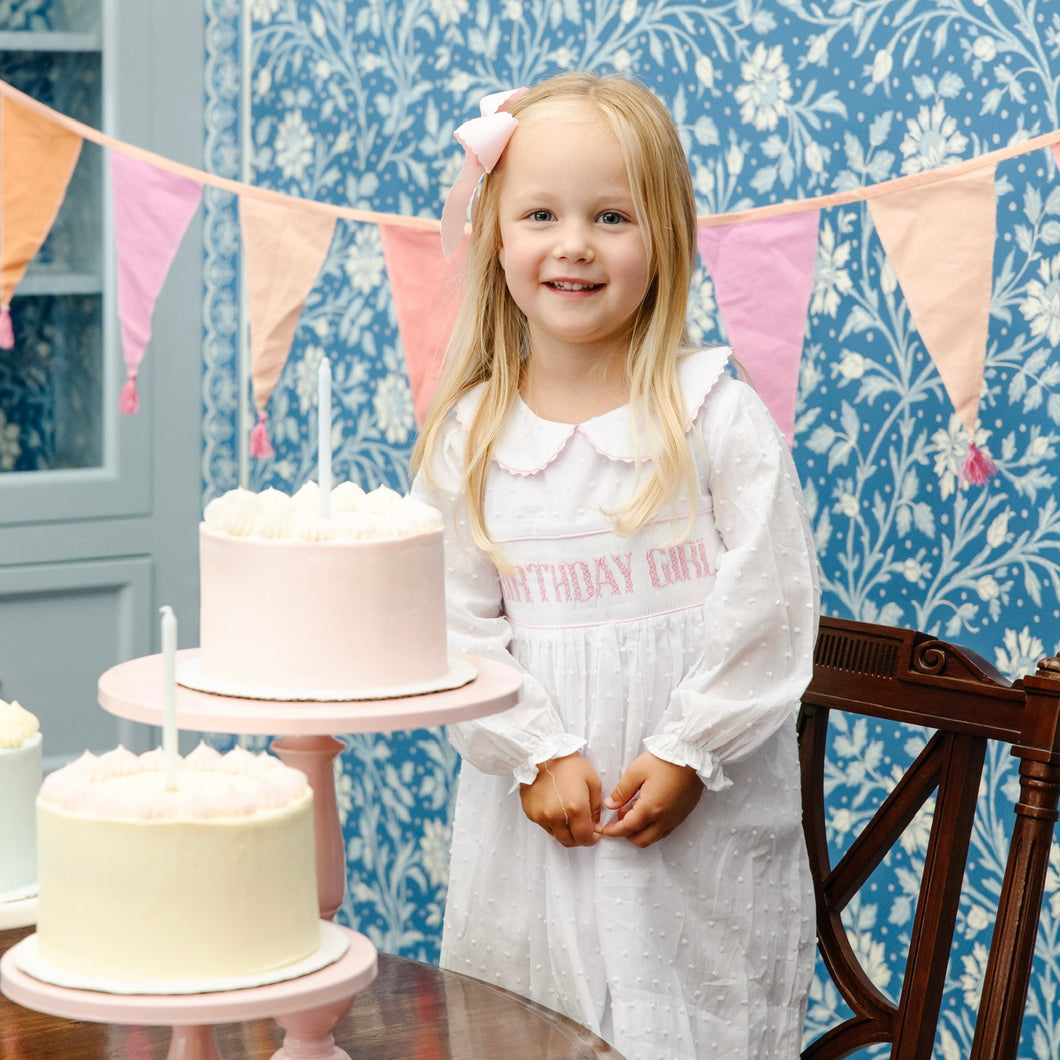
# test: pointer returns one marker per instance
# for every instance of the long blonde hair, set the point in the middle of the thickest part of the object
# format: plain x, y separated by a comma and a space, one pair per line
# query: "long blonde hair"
489, 345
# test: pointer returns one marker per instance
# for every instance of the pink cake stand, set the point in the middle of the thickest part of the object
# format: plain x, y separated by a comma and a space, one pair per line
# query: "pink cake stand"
307, 729
307, 1008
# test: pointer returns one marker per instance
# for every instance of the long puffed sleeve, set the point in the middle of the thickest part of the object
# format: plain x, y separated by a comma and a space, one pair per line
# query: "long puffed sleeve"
514, 740
760, 619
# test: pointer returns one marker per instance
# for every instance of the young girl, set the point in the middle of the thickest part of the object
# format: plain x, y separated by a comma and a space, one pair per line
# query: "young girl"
624, 523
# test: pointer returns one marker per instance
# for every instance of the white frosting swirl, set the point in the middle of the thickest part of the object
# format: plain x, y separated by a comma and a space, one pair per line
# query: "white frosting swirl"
308, 526
17, 725
307, 499
234, 511
210, 786
345, 497
355, 515
379, 500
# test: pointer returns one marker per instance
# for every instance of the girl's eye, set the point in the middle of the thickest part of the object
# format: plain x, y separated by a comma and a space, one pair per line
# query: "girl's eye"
541, 215
611, 217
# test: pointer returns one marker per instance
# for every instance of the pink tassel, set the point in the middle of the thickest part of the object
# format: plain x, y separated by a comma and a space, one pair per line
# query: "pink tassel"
260, 446
7, 332
129, 402
977, 467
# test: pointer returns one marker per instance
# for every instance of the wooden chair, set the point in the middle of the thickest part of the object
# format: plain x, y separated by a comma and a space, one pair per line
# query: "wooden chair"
905, 676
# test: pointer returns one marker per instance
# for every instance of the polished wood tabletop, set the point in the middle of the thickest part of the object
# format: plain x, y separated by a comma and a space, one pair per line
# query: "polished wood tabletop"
412, 1011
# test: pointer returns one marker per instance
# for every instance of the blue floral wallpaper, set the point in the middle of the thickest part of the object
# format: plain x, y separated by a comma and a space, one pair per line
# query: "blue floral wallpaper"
356, 102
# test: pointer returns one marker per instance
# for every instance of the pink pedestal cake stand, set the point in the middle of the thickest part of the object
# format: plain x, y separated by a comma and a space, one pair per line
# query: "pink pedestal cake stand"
307, 1007
307, 728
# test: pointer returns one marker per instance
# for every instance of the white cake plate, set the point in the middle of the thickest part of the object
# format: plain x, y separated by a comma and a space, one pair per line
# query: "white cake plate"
307, 1007
18, 912
135, 690
16, 894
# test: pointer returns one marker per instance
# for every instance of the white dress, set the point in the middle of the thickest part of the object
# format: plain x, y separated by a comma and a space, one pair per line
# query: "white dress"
700, 945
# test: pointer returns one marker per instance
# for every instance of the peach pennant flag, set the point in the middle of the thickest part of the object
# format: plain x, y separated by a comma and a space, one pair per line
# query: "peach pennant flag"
763, 278
939, 239
284, 248
37, 159
426, 290
152, 209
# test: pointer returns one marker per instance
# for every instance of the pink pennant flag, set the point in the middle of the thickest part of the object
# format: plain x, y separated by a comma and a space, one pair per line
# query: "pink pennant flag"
763, 277
939, 238
284, 247
152, 210
37, 159
427, 291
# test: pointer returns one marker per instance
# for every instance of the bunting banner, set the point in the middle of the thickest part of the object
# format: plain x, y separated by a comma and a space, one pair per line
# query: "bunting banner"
37, 159
426, 289
763, 278
939, 239
152, 210
284, 250
937, 227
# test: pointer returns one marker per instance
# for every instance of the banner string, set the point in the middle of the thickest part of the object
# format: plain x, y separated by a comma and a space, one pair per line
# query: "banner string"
887, 187
757, 213
209, 179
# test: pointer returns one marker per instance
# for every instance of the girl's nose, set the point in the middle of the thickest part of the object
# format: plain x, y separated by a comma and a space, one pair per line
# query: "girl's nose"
573, 243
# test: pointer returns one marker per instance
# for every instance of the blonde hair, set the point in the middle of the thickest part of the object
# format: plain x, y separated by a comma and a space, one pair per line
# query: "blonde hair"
489, 345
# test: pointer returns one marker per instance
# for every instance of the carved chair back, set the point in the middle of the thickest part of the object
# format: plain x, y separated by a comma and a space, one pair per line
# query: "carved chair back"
904, 676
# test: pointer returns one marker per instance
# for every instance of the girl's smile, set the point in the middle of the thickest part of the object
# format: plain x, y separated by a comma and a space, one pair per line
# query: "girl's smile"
573, 285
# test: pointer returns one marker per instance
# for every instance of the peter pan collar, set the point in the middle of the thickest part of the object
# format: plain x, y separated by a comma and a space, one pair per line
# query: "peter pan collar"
528, 444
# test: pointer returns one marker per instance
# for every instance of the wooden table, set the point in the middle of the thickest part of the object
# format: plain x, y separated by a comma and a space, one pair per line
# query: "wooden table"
412, 1011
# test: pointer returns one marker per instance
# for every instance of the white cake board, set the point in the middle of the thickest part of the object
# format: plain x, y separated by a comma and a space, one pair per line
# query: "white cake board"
334, 941
190, 675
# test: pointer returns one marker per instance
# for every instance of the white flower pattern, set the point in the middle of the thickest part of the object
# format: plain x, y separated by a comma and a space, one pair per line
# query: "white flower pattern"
932, 140
764, 95
1041, 306
294, 146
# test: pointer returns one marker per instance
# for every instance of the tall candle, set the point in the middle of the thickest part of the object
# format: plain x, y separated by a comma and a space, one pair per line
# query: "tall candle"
169, 696
324, 436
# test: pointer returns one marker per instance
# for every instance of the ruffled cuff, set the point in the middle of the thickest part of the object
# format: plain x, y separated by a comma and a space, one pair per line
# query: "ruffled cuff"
671, 748
555, 747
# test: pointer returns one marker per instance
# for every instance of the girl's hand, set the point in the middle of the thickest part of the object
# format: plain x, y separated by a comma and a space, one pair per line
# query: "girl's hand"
652, 799
564, 799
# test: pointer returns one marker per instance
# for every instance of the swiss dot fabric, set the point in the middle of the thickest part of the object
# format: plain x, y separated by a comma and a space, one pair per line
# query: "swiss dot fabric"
698, 651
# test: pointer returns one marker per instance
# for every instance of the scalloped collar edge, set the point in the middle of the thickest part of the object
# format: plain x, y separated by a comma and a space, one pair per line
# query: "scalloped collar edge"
528, 444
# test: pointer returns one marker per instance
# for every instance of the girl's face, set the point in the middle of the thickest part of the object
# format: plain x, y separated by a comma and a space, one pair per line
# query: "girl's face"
573, 254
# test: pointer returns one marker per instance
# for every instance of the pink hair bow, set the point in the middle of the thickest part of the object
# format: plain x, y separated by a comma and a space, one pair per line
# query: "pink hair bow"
483, 139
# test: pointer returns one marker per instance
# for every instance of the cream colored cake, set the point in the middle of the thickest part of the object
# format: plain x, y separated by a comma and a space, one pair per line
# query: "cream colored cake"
214, 880
20, 778
302, 606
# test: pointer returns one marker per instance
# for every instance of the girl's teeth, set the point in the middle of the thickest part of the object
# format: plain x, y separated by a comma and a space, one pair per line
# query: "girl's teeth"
574, 286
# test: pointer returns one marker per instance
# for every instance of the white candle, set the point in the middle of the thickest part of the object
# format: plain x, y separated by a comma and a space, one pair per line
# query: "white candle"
169, 696
324, 436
